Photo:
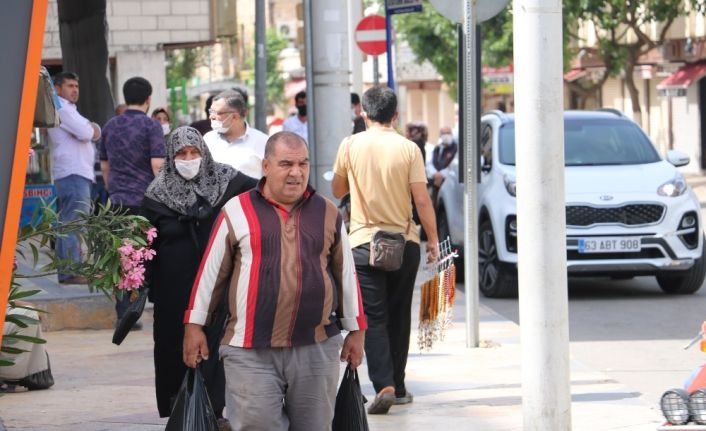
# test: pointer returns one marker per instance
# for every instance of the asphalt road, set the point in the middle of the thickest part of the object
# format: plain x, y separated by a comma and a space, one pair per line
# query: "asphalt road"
630, 331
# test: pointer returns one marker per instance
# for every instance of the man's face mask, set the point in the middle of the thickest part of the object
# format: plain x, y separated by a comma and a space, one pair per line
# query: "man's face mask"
301, 109
219, 125
188, 169
446, 139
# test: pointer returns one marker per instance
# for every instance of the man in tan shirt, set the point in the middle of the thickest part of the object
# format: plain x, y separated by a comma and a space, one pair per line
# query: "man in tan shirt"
383, 172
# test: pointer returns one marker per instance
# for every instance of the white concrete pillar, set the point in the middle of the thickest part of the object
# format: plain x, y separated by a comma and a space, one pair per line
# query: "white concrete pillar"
147, 64
331, 80
541, 221
355, 14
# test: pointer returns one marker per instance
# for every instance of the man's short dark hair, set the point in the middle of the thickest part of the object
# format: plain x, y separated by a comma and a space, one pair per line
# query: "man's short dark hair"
287, 138
380, 104
234, 100
355, 99
60, 77
136, 90
299, 96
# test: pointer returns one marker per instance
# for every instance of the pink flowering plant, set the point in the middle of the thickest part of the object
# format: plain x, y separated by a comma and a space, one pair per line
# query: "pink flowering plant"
117, 247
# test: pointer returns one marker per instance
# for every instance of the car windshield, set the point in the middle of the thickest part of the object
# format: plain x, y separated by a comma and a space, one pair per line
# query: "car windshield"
590, 142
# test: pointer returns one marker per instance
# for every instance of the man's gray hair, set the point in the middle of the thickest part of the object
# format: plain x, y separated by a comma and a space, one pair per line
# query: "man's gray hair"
287, 138
233, 100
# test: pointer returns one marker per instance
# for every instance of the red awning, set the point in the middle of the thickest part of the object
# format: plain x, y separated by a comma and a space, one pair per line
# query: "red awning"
682, 78
574, 74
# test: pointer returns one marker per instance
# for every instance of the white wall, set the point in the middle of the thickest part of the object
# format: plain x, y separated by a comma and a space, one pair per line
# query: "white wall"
141, 25
685, 126
147, 64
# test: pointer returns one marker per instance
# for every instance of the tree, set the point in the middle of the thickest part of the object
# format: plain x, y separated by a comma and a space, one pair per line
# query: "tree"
622, 32
84, 50
182, 64
434, 38
274, 44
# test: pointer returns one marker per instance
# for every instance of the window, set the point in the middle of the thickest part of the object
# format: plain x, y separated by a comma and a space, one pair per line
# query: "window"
589, 142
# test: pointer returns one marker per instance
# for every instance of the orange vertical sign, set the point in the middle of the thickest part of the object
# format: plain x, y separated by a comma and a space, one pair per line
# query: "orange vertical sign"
20, 155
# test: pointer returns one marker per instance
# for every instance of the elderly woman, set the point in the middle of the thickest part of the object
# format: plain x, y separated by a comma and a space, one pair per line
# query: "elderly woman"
183, 202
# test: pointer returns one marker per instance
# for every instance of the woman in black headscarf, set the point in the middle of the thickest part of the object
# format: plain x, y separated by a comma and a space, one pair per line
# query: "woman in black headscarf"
183, 202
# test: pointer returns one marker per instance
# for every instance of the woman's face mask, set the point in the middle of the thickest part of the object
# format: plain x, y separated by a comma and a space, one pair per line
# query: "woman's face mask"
166, 129
188, 169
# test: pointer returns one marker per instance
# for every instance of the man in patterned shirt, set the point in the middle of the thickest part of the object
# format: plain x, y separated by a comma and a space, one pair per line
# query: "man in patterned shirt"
131, 152
281, 253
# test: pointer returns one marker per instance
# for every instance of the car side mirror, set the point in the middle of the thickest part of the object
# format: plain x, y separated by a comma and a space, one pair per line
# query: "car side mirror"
678, 158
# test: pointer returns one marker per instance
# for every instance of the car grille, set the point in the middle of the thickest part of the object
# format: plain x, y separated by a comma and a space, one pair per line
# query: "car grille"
631, 215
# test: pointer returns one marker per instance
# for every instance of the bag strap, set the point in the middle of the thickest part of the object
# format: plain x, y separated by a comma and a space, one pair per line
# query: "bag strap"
364, 205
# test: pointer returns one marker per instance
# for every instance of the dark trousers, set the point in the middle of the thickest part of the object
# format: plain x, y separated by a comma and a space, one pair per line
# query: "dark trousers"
387, 300
122, 305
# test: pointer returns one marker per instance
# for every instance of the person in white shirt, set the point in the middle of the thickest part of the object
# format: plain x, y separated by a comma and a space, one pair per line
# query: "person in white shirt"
297, 123
73, 157
437, 163
232, 141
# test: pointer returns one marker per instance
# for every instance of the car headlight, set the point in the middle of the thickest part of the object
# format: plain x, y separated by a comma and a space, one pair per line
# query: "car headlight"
673, 188
510, 184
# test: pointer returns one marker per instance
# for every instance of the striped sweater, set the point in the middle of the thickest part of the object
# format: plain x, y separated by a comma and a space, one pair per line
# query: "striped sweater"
291, 274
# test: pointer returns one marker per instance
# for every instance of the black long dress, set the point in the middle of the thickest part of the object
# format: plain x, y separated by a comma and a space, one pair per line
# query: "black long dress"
181, 241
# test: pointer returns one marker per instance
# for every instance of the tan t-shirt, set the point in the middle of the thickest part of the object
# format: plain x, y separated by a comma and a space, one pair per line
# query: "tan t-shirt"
385, 164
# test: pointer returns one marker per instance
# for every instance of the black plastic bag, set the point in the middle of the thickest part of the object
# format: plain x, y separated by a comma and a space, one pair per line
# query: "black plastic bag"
192, 409
131, 316
349, 413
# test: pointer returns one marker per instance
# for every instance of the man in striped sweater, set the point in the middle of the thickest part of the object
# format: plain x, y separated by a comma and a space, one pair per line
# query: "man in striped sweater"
282, 254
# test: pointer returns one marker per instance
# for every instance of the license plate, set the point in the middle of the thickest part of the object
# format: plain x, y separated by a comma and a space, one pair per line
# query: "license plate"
609, 244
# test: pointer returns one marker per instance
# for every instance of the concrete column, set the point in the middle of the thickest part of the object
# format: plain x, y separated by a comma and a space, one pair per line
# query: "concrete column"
147, 64
541, 220
355, 14
331, 75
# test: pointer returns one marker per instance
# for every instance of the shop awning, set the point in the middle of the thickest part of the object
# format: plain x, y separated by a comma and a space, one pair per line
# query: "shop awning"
574, 74
677, 83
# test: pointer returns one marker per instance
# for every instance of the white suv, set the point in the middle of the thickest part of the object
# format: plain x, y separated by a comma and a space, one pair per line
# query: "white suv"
628, 212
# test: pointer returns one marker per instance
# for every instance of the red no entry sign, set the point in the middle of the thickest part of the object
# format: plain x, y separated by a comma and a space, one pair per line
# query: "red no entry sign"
370, 35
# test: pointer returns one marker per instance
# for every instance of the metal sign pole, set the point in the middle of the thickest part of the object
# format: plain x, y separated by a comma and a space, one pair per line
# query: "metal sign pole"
471, 185
388, 32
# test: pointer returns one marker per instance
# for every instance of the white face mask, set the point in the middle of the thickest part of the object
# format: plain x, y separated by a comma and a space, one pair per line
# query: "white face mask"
188, 169
446, 139
217, 125
166, 129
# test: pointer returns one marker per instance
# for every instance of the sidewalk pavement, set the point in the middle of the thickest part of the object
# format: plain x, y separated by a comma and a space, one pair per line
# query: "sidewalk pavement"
100, 386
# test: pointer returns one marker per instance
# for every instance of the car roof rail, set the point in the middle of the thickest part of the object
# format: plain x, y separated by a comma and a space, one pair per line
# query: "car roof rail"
500, 114
613, 111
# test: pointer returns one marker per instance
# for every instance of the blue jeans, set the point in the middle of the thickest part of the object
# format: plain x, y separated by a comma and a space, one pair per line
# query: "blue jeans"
74, 195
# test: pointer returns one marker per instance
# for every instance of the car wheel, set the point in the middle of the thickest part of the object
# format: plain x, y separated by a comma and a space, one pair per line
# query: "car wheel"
495, 279
442, 230
685, 282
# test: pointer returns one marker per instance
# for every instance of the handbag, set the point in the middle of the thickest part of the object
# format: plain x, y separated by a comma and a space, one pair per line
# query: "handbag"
192, 409
45, 113
131, 316
386, 248
349, 413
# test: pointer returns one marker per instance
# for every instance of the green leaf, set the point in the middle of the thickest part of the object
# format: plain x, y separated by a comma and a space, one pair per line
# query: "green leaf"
12, 350
26, 338
6, 363
24, 294
35, 254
